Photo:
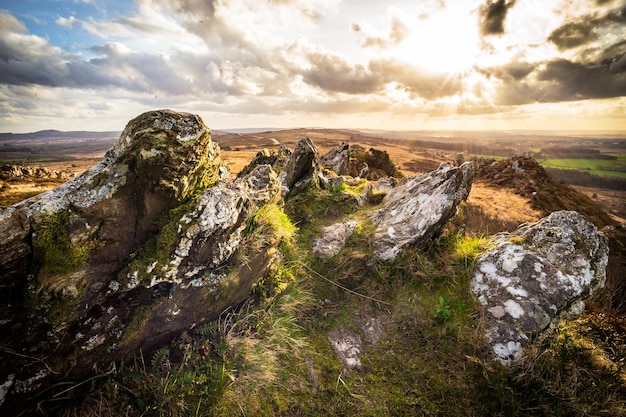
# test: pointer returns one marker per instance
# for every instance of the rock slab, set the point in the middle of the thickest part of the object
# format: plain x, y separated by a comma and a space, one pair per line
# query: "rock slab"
536, 276
416, 211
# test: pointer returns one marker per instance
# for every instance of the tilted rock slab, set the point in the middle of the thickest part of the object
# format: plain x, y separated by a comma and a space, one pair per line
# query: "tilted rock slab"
536, 276
146, 244
301, 169
416, 211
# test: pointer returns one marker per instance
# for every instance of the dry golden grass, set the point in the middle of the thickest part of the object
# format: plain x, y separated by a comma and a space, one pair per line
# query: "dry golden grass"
497, 209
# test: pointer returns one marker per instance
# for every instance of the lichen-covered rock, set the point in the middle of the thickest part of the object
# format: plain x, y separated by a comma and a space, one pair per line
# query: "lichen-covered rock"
337, 159
137, 249
333, 238
348, 347
275, 159
416, 211
535, 276
301, 168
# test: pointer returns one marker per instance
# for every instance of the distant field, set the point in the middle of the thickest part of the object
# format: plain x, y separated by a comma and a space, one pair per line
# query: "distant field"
600, 167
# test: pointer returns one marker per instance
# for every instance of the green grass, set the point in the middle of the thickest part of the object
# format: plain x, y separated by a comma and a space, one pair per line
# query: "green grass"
273, 357
600, 167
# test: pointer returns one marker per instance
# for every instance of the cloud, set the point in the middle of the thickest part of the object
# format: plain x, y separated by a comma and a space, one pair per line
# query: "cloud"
397, 33
558, 80
573, 34
335, 75
585, 29
492, 16
416, 82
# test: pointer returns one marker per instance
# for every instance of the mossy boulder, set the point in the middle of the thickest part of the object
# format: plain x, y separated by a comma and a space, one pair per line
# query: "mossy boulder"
131, 253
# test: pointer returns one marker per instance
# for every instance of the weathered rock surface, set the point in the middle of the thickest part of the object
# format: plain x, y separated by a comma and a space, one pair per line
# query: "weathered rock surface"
416, 211
12, 172
536, 276
333, 238
348, 347
276, 159
301, 168
337, 159
142, 246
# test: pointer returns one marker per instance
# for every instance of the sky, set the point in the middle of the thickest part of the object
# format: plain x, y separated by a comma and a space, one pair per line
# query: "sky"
369, 64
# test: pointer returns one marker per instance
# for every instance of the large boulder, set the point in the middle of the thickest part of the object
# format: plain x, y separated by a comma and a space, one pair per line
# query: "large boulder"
146, 244
534, 277
416, 211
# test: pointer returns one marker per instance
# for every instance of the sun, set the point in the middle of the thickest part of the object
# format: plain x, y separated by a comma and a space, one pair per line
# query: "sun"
446, 42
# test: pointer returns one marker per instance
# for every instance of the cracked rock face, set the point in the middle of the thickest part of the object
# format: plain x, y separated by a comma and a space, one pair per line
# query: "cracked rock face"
536, 276
416, 211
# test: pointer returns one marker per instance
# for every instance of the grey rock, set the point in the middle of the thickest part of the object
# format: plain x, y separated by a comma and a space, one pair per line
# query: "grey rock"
301, 168
333, 238
276, 159
337, 159
536, 276
156, 230
416, 211
348, 347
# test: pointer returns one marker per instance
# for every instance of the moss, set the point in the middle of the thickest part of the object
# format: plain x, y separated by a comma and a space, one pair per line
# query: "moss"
54, 251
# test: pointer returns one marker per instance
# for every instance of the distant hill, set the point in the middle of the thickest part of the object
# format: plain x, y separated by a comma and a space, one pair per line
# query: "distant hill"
51, 134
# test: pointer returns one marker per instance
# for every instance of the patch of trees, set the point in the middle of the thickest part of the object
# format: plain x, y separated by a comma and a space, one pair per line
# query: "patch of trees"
574, 153
469, 147
585, 179
376, 160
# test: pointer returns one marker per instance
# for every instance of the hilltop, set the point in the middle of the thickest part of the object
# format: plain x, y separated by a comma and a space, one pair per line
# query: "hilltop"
319, 276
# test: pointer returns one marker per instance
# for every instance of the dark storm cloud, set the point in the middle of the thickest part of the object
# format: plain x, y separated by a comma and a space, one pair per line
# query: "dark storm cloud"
492, 16
575, 81
573, 34
560, 80
585, 29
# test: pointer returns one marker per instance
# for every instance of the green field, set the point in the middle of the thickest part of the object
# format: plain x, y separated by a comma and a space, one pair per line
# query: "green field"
600, 167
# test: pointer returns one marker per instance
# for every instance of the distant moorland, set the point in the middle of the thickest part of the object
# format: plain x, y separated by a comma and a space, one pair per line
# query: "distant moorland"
595, 163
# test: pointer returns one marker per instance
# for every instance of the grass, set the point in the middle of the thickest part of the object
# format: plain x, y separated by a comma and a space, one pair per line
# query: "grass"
272, 357
600, 167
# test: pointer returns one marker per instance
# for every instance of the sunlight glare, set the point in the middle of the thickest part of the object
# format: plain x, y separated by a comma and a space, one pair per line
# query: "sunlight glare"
446, 42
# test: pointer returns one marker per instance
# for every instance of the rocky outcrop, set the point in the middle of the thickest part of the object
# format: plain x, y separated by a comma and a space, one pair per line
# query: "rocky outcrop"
333, 238
146, 244
337, 159
276, 159
301, 168
19, 172
536, 276
416, 211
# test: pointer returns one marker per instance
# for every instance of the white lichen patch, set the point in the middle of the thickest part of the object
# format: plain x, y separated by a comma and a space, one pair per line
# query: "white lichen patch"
508, 352
510, 257
514, 309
